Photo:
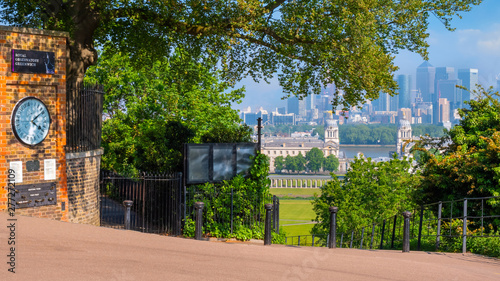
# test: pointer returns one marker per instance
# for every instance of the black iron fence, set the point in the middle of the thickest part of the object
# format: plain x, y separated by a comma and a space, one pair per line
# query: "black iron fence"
84, 117
157, 202
231, 213
437, 226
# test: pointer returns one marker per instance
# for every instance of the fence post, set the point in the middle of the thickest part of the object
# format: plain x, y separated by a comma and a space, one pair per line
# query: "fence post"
420, 227
341, 239
373, 234
394, 230
362, 236
406, 232
464, 235
198, 206
274, 213
333, 227
277, 215
128, 204
438, 235
352, 237
382, 236
179, 204
231, 211
267, 228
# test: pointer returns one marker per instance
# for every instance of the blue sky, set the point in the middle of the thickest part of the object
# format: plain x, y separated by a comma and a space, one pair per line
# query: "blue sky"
474, 44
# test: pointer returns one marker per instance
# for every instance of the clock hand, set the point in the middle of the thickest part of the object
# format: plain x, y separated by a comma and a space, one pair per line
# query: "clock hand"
39, 127
36, 117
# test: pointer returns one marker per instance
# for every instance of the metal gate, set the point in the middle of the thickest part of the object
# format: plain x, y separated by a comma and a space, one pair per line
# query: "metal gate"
157, 202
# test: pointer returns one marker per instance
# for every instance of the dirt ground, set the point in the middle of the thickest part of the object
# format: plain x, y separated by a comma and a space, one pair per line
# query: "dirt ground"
52, 250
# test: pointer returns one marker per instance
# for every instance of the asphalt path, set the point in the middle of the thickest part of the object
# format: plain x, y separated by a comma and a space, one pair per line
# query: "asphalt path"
53, 250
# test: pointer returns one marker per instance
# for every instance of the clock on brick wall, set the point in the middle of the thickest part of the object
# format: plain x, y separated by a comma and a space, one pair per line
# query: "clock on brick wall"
30, 121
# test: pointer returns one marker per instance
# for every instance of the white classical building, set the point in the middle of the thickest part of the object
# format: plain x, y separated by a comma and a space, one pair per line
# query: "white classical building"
281, 146
405, 138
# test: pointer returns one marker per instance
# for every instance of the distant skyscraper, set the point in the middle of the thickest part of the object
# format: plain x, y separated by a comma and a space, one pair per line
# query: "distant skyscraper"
382, 103
443, 115
442, 73
425, 80
393, 103
404, 83
310, 102
470, 78
293, 105
448, 90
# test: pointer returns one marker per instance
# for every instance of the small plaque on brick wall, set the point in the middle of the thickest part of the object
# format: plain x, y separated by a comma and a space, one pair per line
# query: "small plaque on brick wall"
49, 169
33, 166
28, 61
35, 195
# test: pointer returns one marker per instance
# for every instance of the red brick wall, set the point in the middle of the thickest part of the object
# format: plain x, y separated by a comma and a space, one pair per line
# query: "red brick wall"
83, 186
51, 89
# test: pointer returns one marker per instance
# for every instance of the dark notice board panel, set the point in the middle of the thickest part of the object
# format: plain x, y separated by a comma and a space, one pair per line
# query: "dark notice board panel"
35, 195
213, 162
26, 61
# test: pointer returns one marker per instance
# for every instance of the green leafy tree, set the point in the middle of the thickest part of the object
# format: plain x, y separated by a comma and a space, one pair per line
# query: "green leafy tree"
314, 158
228, 134
300, 161
331, 163
465, 162
313, 43
291, 163
369, 192
151, 111
279, 163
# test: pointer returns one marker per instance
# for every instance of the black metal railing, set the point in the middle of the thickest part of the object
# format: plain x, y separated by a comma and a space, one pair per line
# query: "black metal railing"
225, 213
157, 202
84, 117
437, 226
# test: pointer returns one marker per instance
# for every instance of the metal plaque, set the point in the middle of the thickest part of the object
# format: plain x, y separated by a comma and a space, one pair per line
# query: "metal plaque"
33, 166
35, 195
28, 61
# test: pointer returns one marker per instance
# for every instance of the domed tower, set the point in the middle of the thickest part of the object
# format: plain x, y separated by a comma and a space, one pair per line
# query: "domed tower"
331, 145
331, 132
404, 135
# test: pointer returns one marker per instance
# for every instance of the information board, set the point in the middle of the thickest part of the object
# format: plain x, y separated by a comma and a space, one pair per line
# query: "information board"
212, 162
27, 61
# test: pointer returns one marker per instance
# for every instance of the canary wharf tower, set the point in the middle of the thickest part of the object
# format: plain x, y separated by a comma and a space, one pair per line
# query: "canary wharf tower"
426, 74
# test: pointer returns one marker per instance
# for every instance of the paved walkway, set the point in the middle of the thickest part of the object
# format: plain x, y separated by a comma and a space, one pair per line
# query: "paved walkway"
52, 250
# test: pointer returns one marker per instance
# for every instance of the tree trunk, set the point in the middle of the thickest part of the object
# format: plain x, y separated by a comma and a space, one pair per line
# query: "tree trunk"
80, 55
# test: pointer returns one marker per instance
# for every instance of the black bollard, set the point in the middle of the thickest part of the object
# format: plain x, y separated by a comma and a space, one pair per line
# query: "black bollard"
128, 204
198, 206
267, 227
333, 227
406, 232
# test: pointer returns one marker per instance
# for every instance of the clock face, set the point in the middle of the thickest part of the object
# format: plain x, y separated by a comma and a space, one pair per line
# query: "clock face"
30, 121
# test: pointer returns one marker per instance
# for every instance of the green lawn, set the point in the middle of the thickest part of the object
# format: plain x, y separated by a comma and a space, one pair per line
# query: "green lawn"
296, 216
294, 192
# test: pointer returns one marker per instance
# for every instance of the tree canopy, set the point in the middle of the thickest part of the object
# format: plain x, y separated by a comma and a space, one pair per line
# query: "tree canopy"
369, 191
315, 159
310, 43
465, 162
151, 111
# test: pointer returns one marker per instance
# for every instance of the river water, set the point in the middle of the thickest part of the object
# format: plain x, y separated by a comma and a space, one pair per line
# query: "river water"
373, 151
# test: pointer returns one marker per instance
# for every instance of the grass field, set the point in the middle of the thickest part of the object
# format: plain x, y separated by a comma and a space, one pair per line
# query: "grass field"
294, 192
296, 216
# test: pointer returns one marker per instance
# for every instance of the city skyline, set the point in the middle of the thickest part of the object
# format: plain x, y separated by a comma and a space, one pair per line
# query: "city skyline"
474, 44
